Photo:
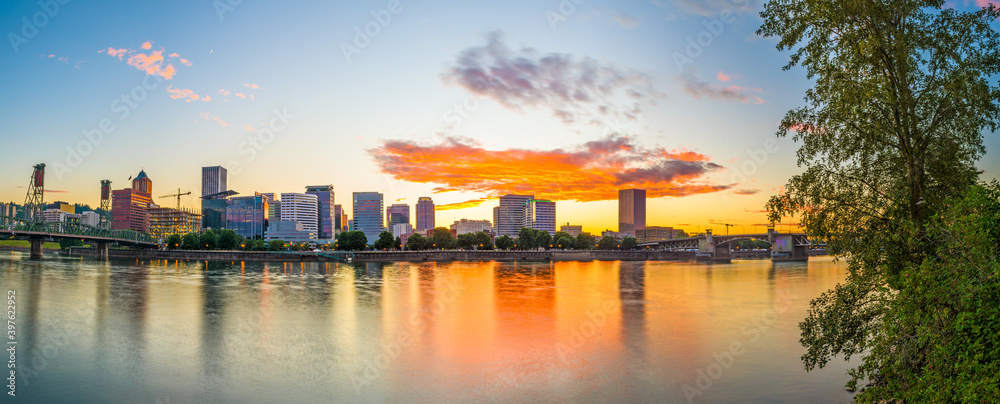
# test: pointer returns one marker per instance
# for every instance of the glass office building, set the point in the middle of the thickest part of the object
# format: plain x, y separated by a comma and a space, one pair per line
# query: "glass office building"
325, 215
248, 215
369, 209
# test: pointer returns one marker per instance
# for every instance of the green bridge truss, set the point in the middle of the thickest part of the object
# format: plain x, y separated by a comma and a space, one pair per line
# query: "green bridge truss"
14, 226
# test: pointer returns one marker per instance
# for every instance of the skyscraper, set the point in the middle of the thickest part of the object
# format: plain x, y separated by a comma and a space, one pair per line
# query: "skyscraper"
369, 214
397, 213
509, 218
300, 208
425, 213
213, 197
129, 206
540, 214
631, 211
338, 219
324, 197
213, 180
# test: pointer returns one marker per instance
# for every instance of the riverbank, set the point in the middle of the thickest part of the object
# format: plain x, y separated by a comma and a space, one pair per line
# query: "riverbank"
392, 256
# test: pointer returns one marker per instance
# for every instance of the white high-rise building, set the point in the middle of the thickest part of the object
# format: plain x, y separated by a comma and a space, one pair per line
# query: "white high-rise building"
302, 208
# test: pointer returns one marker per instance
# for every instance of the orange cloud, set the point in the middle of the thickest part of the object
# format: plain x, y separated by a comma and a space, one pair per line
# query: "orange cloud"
224, 92
462, 205
152, 64
593, 171
253, 86
241, 95
146, 45
722, 76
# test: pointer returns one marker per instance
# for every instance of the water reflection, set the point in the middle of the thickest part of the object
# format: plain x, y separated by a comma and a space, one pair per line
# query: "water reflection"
420, 332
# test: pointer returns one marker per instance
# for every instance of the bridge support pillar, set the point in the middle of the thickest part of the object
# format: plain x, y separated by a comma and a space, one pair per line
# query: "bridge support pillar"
784, 248
102, 251
36, 248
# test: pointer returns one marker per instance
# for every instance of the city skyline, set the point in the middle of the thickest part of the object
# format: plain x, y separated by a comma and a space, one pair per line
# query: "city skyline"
692, 121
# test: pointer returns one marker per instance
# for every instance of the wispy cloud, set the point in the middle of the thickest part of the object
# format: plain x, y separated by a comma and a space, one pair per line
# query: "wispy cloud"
593, 171
152, 63
209, 117
700, 89
574, 89
746, 191
462, 205
712, 8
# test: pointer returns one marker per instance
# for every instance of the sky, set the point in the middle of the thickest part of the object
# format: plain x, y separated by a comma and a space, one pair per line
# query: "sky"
567, 100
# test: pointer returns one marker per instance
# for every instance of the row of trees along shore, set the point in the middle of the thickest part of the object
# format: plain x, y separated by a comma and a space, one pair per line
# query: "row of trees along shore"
890, 134
440, 239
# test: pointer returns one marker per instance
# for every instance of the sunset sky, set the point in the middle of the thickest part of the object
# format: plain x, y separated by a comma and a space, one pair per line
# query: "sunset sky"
567, 100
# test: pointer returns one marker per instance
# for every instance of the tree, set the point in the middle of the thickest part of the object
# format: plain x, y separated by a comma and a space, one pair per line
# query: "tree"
174, 241
559, 235
629, 243
442, 239
352, 241
565, 242
228, 239
891, 131
607, 243
466, 241
484, 241
416, 242
209, 240
543, 238
397, 243
683, 234
191, 241
585, 241
66, 243
504, 242
384, 241
526, 239
276, 245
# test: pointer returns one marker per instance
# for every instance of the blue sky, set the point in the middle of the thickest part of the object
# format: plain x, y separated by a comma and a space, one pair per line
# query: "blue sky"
325, 116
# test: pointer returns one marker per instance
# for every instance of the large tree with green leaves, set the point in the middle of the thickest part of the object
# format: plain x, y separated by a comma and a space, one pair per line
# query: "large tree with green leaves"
442, 239
890, 132
384, 242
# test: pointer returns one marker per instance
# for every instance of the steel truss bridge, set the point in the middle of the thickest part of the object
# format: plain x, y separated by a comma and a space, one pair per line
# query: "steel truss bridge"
784, 246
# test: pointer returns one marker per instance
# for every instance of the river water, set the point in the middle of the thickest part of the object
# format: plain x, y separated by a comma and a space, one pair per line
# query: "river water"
190, 332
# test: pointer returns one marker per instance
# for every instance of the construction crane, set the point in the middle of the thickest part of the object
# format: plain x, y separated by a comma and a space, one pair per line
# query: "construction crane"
724, 224
178, 195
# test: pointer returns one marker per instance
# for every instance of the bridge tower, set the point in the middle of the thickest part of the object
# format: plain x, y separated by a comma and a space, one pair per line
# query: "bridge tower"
34, 202
106, 217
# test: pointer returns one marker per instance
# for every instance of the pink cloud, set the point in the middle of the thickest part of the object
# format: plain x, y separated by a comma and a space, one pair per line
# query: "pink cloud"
224, 92
207, 98
185, 62
174, 55
722, 76
181, 93
253, 86
241, 95
119, 53
209, 117
250, 128
152, 64
146, 45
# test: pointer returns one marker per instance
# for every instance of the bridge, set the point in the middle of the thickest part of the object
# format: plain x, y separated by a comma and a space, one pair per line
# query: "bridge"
33, 227
784, 246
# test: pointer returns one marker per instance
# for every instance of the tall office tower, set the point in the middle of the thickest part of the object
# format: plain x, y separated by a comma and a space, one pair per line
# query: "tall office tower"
213, 180
214, 196
273, 207
301, 208
509, 218
324, 195
338, 219
397, 213
631, 211
369, 214
540, 214
248, 215
425, 213
129, 206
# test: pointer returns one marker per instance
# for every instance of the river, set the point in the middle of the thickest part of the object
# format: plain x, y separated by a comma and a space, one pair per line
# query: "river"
191, 332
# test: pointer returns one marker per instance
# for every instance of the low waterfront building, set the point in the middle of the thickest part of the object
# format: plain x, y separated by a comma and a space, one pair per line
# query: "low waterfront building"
656, 233
165, 221
572, 230
466, 226
290, 231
